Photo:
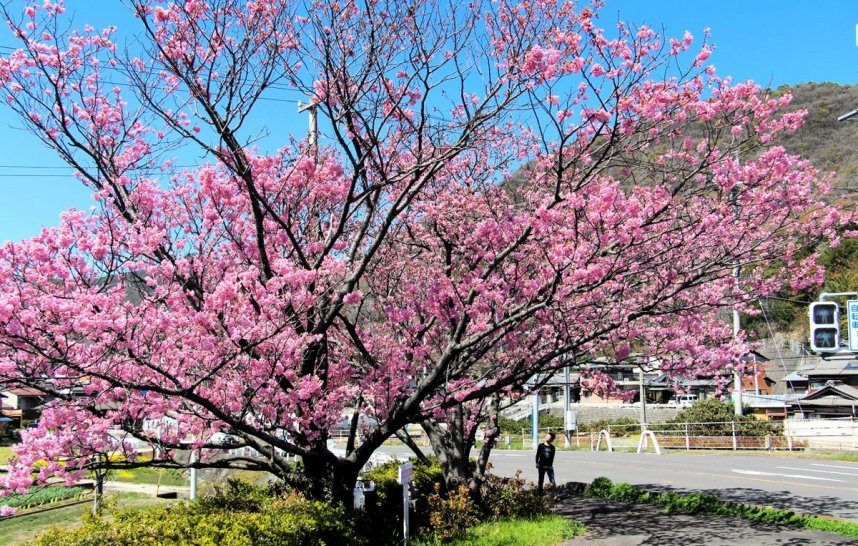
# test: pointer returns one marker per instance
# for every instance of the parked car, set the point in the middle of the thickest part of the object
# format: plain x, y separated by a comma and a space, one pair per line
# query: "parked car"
682, 401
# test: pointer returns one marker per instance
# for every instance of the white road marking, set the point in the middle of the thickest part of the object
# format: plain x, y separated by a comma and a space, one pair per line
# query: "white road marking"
798, 476
820, 471
835, 466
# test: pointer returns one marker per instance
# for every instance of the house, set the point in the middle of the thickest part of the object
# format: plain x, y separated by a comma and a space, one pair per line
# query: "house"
796, 383
834, 399
23, 403
843, 371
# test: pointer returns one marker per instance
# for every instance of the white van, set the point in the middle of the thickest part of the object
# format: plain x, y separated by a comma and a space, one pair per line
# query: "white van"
683, 401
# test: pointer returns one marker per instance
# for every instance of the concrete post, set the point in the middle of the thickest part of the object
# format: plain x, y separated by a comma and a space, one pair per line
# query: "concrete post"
193, 459
735, 443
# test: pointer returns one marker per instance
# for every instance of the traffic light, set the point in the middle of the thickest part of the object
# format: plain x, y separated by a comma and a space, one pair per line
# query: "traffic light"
824, 327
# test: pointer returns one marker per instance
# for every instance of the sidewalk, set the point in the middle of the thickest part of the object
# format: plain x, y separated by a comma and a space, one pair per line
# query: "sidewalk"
612, 523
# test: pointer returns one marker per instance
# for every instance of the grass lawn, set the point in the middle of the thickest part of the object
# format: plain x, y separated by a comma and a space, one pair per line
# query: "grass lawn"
5, 453
164, 476
24, 528
842, 456
545, 531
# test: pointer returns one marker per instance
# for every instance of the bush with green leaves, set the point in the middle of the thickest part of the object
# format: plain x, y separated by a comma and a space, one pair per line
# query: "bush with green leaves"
600, 487
240, 515
546, 420
441, 514
621, 426
713, 417
382, 517
510, 497
450, 515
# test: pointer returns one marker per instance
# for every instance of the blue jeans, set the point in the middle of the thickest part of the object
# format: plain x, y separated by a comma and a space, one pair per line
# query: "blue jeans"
543, 470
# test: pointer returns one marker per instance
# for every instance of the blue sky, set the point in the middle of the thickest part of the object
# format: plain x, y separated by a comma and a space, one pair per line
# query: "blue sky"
771, 42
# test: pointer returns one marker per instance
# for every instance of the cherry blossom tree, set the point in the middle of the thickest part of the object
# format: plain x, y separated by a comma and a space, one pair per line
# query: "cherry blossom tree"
500, 186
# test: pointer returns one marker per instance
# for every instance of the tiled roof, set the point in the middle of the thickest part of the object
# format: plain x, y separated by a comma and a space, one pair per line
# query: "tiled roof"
26, 391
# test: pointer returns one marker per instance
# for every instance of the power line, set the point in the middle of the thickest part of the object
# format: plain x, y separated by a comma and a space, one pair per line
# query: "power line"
271, 85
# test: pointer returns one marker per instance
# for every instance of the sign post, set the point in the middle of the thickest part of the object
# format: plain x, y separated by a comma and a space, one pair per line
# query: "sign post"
406, 472
852, 324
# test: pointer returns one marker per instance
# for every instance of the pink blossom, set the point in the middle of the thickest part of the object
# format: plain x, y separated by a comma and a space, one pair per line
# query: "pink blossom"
429, 253
353, 297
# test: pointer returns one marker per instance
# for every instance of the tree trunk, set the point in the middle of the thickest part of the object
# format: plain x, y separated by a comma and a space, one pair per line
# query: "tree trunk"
452, 445
330, 478
492, 434
452, 450
98, 492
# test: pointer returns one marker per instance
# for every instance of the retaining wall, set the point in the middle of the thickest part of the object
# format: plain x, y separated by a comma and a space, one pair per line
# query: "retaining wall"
588, 414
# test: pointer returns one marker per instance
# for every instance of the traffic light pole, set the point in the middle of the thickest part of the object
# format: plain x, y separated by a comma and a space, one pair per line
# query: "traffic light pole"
824, 320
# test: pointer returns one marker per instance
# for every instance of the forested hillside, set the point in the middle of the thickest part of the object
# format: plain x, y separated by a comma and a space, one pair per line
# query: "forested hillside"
832, 146
829, 144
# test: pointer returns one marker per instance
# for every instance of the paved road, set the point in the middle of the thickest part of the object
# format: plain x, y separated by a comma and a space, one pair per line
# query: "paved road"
806, 485
813, 486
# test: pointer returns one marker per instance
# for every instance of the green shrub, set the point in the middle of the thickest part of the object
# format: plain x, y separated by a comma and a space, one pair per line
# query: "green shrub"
382, 518
236, 496
845, 528
509, 497
622, 426
451, 515
273, 521
627, 493
436, 509
546, 420
712, 417
600, 487
692, 504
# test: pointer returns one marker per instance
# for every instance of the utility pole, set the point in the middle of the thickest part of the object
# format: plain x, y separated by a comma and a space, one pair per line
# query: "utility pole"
313, 129
737, 378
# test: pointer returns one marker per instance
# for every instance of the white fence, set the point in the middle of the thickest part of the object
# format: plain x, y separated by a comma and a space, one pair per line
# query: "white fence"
822, 434
829, 434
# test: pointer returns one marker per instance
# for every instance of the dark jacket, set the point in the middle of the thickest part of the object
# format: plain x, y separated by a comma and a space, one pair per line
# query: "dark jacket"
545, 455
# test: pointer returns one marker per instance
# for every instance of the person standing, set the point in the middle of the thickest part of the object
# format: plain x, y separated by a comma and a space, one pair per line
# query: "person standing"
545, 460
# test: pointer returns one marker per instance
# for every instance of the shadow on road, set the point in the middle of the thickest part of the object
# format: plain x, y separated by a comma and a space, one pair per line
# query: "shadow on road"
816, 506
622, 524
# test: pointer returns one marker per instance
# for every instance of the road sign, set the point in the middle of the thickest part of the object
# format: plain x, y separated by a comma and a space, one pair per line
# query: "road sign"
852, 324
571, 420
406, 472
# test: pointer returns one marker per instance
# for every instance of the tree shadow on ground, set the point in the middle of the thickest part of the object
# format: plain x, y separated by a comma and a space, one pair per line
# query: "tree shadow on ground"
816, 506
619, 523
